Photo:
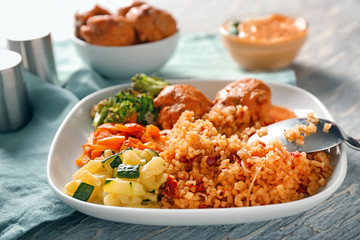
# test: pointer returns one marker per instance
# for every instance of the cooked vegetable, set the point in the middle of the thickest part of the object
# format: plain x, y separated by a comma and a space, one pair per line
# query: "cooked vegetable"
90, 178
101, 112
110, 138
233, 28
111, 141
127, 177
144, 83
148, 154
154, 167
111, 162
128, 171
133, 105
92, 167
126, 106
84, 191
131, 157
123, 187
154, 182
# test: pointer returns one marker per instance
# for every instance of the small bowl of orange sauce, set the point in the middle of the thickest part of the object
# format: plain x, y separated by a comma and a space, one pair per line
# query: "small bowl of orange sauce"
264, 42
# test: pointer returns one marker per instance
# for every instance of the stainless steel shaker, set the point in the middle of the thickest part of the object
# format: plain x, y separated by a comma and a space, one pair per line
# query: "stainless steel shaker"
15, 110
37, 55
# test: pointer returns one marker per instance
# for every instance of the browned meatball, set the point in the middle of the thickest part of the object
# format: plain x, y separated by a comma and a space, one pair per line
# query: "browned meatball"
81, 18
151, 24
124, 10
108, 30
175, 99
250, 92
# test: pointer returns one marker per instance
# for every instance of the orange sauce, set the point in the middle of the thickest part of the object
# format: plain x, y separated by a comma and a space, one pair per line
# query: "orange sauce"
271, 29
280, 113
264, 43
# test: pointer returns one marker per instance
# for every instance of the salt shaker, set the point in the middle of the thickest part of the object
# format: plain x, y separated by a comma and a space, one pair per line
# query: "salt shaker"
15, 110
37, 54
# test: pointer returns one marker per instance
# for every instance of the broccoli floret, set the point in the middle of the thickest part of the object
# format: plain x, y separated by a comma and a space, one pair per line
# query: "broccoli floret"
100, 111
121, 112
144, 83
131, 105
126, 106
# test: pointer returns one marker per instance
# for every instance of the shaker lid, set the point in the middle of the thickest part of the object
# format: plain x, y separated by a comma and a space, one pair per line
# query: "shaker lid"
25, 36
9, 59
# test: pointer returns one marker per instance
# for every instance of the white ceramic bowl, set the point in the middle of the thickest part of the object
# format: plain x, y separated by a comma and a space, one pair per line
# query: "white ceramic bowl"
126, 61
263, 55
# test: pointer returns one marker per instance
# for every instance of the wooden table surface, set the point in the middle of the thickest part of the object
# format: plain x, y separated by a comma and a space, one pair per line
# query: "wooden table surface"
328, 66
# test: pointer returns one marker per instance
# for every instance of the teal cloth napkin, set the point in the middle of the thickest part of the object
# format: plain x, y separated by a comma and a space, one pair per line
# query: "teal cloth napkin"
25, 197
26, 200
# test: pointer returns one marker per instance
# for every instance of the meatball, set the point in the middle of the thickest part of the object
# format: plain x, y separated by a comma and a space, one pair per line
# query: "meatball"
124, 10
81, 18
250, 92
175, 99
151, 24
108, 30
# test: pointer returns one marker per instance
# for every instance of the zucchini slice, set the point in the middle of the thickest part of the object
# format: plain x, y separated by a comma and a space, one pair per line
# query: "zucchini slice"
111, 162
128, 171
148, 154
116, 162
153, 152
84, 191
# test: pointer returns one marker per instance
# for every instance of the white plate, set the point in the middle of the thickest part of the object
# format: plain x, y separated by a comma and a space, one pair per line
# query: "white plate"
73, 132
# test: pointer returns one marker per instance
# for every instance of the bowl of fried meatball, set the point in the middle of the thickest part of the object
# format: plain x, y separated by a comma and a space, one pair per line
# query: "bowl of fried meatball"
133, 39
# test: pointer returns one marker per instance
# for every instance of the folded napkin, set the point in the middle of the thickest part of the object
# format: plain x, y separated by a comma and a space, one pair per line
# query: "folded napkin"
26, 199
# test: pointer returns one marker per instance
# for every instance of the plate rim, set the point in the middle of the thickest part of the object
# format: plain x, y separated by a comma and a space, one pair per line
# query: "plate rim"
182, 213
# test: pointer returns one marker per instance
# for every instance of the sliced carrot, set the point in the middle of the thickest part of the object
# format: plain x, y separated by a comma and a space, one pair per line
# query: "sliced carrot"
128, 144
143, 146
119, 137
150, 145
146, 138
113, 140
153, 130
91, 139
104, 147
95, 153
84, 158
81, 161
122, 128
133, 129
140, 146
108, 126
126, 135
102, 133
133, 140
